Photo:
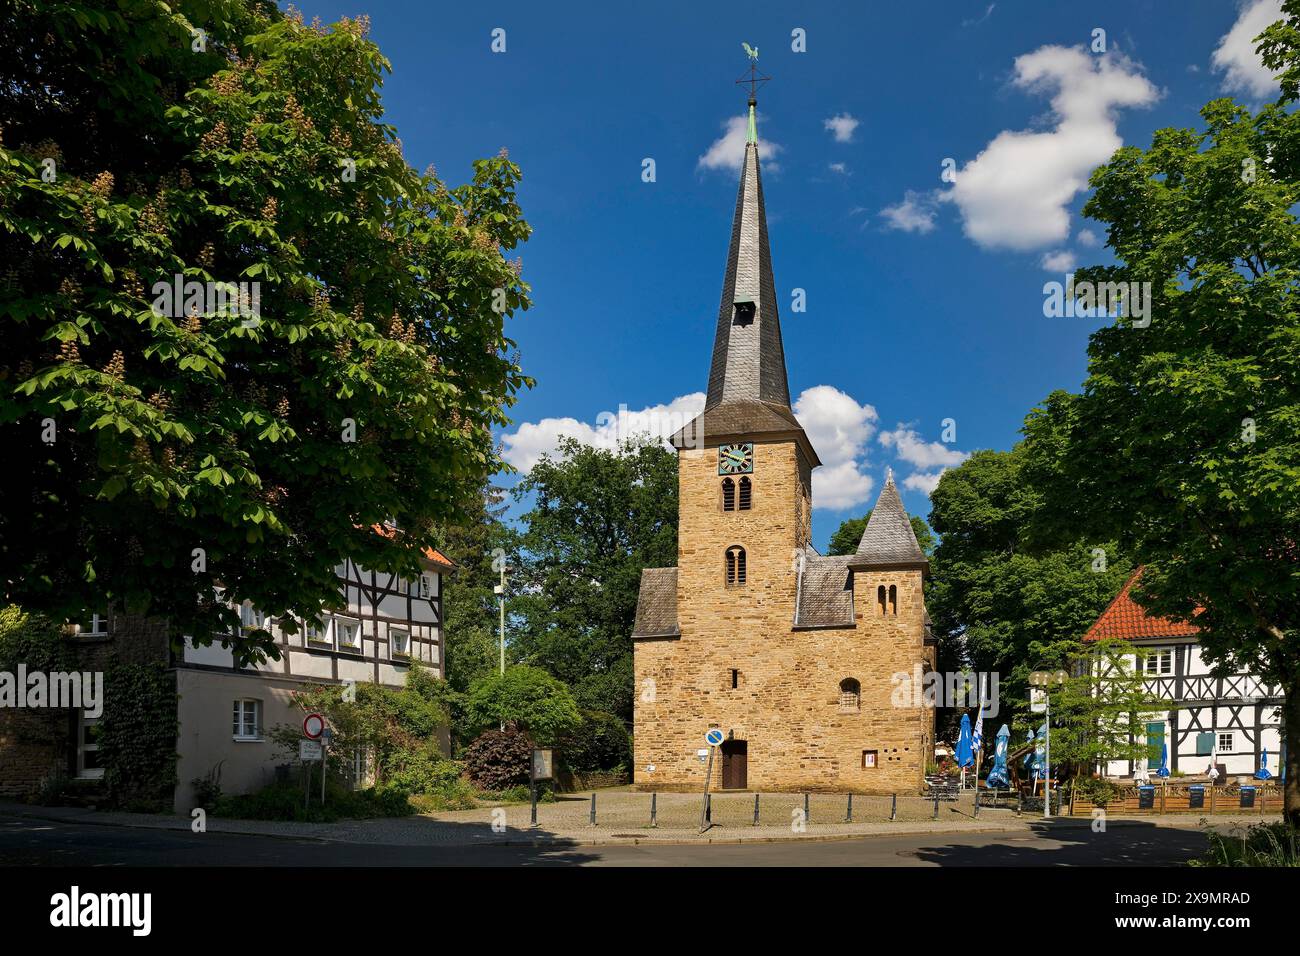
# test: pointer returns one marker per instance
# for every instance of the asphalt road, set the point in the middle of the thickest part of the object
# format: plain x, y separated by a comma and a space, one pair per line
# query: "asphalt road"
28, 842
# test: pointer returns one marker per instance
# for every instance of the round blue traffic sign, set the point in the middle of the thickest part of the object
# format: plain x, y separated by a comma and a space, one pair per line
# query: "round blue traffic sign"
713, 738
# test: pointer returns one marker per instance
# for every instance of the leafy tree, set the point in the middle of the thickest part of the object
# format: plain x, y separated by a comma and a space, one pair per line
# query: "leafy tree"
848, 535
598, 517
601, 742
524, 697
156, 449
1002, 602
499, 759
469, 601
1185, 441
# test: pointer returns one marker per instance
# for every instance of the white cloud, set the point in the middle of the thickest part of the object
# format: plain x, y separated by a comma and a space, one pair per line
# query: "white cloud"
1088, 238
923, 482
728, 150
839, 428
525, 447
1016, 193
1235, 56
840, 168
914, 214
1062, 260
913, 449
841, 126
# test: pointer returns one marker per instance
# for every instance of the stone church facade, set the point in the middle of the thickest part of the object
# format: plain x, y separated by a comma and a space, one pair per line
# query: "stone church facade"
791, 654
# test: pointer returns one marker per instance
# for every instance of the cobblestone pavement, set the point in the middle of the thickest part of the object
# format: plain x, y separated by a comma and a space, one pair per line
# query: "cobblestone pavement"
624, 817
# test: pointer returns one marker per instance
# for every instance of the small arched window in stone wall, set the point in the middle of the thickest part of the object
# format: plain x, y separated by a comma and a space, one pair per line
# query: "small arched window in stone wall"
735, 565
893, 600
746, 498
880, 598
728, 495
850, 694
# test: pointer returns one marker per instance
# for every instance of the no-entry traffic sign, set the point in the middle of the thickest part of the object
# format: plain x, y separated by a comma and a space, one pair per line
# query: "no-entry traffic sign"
313, 725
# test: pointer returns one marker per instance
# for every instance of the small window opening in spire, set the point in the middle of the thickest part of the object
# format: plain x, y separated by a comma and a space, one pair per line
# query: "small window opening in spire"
744, 313
893, 600
880, 599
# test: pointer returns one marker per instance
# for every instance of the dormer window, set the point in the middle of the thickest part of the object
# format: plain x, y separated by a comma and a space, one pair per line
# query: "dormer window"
728, 495
743, 313
746, 495
735, 565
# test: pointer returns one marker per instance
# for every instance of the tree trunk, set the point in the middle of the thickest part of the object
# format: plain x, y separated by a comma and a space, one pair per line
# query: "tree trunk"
1291, 733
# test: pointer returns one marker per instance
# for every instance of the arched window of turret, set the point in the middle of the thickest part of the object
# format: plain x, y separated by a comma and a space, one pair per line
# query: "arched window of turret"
893, 599
735, 565
880, 598
728, 495
745, 496
850, 694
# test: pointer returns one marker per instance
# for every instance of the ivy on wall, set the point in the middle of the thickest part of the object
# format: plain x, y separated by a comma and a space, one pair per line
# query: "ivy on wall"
138, 736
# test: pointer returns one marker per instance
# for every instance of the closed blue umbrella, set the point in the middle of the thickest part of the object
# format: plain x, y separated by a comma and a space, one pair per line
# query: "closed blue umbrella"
965, 752
1262, 773
998, 775
1164, 761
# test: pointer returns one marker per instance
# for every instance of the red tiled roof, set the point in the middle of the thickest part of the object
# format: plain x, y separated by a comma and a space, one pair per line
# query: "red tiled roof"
1124, 618
433, 554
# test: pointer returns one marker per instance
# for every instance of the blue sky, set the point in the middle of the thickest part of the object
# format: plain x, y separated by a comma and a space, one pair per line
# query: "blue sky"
924, 298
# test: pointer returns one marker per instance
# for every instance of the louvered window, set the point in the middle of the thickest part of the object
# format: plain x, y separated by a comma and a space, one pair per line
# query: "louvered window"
745, 495
728, 495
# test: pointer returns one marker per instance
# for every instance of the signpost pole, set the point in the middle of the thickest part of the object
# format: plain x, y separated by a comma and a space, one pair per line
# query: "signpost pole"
323, 747
1047, 757
704, 803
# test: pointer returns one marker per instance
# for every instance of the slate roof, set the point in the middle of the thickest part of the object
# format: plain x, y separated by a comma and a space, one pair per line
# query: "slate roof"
825, 592
888, 539
748, 358
1124, 618
656, 606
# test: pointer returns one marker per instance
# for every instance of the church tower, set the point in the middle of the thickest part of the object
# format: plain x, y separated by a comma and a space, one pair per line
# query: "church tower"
788, 653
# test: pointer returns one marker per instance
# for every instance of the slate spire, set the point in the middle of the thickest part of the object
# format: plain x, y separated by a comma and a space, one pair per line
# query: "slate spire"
888, 539
748, 357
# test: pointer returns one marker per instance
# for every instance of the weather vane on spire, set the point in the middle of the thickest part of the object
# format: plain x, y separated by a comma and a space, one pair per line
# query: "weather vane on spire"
754, 79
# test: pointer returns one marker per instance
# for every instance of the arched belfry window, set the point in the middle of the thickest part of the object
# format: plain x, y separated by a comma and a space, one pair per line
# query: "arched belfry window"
746, 494
735, 565
728, 495
880, 598
850, 694
893, 599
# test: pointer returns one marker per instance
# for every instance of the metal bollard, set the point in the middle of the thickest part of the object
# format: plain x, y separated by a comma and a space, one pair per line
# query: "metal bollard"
654, 810
977, 801
807, 816
593, 809
755, 809
848, 817
1020, 798
893, 806
936, 805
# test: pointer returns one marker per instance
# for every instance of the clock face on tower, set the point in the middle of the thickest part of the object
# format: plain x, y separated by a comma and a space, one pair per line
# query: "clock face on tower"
736, 459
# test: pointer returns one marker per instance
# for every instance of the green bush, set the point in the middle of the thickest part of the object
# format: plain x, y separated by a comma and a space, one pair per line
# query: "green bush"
137, 737
283, 800
601, 742
419, 771
1100, 791
499, 759
526, 697
1264, 844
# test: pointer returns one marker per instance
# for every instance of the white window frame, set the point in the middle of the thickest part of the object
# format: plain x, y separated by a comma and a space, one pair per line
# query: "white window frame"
250, 617
1232, 741
426, 586
1160, 663
84, 772
340, 626
239, 719
98, 625
323, 634
392, 641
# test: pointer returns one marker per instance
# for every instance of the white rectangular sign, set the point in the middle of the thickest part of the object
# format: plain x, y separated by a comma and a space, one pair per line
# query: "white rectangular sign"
1037, 700
309, 750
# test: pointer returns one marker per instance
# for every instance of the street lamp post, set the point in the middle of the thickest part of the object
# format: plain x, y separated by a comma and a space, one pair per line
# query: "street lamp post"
501, 604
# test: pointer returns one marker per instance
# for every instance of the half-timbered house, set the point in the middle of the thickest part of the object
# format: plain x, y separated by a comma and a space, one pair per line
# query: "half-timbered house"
1231, 719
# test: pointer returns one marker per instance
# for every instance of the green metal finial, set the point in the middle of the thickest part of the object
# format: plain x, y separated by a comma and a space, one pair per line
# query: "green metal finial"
754, 80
